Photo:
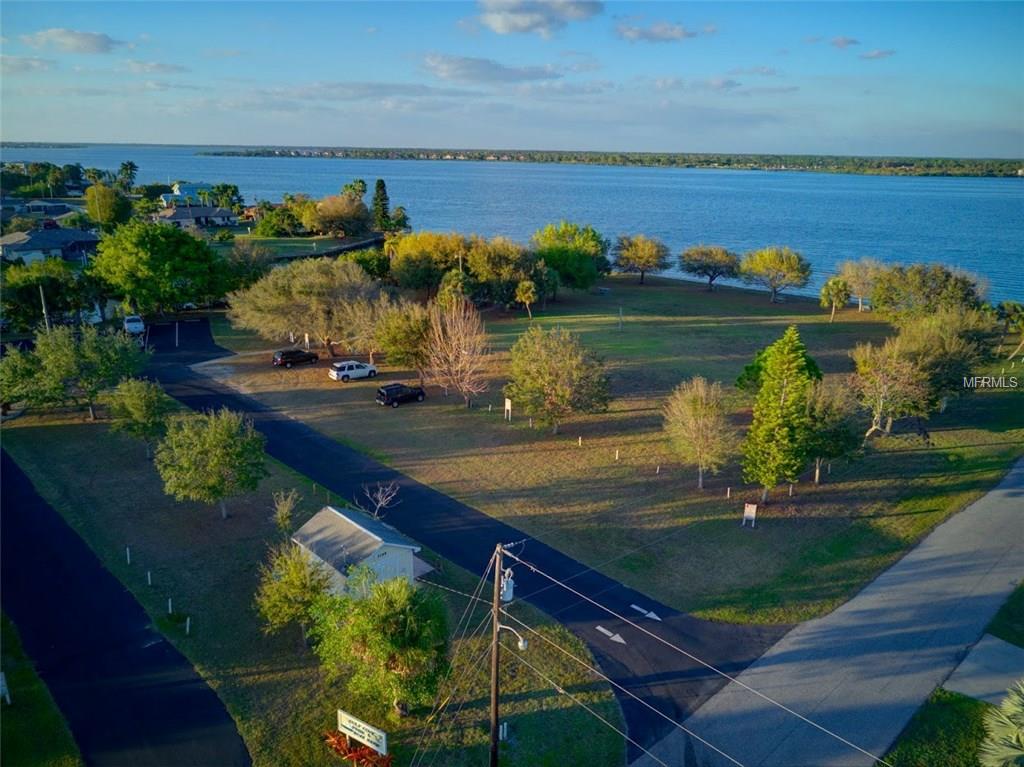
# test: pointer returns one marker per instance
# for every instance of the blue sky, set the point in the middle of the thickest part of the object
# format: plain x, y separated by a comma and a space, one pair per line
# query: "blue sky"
828, 77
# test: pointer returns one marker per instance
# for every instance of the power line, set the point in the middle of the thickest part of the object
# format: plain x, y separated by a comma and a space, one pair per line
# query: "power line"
618, 686
578, 702
704, 663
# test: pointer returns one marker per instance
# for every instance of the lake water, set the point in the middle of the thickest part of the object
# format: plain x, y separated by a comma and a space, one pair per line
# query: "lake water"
972, 223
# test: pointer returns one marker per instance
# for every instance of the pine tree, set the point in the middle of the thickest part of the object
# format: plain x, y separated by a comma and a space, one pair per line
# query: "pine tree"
381, 207
777, 443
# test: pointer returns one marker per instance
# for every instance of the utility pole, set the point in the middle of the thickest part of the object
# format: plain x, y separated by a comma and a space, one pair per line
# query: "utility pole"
495, 645
46, 314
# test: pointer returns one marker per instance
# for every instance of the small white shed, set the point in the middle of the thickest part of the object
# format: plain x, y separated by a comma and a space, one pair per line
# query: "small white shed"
343, 538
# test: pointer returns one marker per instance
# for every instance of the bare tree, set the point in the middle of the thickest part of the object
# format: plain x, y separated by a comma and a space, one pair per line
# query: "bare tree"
889, 385
457, 348
380, 496
697, 427
860, 276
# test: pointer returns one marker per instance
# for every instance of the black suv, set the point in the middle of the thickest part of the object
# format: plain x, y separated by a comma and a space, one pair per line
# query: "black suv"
395, 394
290, 357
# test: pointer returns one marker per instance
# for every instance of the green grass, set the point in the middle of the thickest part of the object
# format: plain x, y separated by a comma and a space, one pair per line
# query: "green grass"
272, 686
34, 733
654, 530
946, 731
1008, 624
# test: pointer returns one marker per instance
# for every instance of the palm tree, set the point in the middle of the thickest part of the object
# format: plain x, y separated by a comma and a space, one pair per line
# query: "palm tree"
1004, 743
126, 174
835, 292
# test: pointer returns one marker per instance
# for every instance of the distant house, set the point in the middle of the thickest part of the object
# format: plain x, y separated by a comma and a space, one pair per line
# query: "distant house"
343, 538
183, 193
196, 216
72, 245
50, 208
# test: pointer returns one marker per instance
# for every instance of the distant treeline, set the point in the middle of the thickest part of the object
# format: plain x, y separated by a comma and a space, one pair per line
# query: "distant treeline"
881, 166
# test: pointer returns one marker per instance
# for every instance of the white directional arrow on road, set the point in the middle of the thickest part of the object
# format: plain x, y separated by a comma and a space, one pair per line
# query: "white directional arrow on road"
649, 613
614, 637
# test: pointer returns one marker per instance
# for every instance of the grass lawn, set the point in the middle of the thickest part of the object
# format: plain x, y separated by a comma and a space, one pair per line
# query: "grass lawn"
650, 529
946, 730
34, 733
272, 685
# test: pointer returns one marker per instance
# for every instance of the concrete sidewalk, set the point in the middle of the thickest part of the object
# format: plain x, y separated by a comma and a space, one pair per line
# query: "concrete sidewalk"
863, 670
990, 669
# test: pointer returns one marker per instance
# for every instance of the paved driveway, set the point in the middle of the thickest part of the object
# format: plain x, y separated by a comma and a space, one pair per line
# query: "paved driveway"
130, 698
657, 675
863, 670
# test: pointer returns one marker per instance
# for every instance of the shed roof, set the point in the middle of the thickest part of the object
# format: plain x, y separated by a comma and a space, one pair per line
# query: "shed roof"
345, 537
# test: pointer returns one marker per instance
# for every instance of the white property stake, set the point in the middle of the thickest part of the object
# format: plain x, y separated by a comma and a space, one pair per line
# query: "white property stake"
728, 492
579, 441
188, 625
128, 554
169, 608
790, 489
658, 470
149, 577
616, 454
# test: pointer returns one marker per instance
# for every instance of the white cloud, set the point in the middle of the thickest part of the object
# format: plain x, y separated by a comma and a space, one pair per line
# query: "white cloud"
468, 69
152, 67
11, 65
161, 85
545, 18
762, 71
717, 84
877, 54
842, 42
72, 41
710, 29
658, 32
221, 53
813, 39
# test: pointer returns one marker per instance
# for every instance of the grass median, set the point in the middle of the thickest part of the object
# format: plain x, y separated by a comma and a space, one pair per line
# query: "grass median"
272, 686
620, 501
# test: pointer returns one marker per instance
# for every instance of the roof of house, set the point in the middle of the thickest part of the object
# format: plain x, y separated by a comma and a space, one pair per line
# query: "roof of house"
188, 212
345, 537
46, 239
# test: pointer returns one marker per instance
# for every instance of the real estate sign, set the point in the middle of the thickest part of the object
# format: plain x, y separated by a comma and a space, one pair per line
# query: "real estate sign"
363, 732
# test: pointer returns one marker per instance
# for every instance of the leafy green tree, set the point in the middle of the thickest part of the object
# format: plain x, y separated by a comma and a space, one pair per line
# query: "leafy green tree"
155, 266
19, 224
526, 294
776, 445
750, 379
284, 508
86, 361
21, 380
381, 207
308, 296
834, 293
59, 281
578, 253
290, 583
400, 220
903, 292
698, 427
1004, 731
710, 262
889, 385
498, 265
860, 276
1011, 315
553, 376
403, 334
247, 262
107, 207
227, 196
344, 215
277, 222
455, 286
420, 259
140, 409
776, 269
208, 457
831, 410
642, 254
391, 644
373, 260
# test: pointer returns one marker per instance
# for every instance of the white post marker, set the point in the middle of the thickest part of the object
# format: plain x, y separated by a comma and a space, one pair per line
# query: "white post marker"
128, 554
170, 609
728, 492
749, 514
363, 732
149, 577
616, 454
579, 441
188, 625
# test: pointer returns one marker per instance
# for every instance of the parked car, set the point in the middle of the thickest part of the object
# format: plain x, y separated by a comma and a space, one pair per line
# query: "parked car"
343, 371
133, 325
288, 357
395, 394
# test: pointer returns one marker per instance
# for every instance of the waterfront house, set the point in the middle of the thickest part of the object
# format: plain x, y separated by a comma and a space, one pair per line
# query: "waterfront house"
196, 216
72, 245
185, 193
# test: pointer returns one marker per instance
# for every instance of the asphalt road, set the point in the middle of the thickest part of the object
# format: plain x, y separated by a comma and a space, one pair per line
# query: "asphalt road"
130, 698
658, 675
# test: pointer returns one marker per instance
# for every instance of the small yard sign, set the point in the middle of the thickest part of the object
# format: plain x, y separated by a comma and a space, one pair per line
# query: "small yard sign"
508, 409
363, 732
749, 514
